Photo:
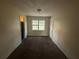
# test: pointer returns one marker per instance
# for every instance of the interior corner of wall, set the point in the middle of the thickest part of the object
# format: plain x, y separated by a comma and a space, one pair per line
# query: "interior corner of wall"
59, 45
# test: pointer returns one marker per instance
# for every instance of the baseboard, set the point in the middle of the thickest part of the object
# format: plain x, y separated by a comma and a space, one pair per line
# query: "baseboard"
61, 48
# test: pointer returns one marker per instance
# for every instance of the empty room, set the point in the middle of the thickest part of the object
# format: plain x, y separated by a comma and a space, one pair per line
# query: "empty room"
39, 29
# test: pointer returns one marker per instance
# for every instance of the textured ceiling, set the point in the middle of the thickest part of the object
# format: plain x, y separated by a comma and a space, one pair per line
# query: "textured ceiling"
49, 7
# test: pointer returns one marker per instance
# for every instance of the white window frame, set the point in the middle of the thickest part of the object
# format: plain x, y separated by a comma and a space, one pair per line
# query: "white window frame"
38, 25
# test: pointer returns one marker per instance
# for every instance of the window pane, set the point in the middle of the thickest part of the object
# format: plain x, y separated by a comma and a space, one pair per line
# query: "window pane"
41, 27
38, 24
41, 22
34, 27
34, 22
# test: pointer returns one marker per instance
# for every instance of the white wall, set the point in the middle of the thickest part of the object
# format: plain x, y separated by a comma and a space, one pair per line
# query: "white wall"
65, 31
38, 33
10, 36
25, 24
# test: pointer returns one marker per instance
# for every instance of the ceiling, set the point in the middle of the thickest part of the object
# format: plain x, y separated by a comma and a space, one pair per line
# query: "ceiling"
49, 7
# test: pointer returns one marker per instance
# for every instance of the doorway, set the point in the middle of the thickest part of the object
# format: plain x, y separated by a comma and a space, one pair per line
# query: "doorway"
38, 26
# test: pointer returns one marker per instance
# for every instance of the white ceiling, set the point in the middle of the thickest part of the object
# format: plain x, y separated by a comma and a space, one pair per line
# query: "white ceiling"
49, 7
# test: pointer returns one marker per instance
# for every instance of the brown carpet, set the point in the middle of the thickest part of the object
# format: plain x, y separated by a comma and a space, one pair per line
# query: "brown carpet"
37, 48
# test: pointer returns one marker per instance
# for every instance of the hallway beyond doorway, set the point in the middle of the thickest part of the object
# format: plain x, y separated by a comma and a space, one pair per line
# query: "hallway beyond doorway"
37, 48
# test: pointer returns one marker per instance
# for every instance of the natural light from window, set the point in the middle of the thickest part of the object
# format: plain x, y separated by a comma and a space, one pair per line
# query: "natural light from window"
38, 24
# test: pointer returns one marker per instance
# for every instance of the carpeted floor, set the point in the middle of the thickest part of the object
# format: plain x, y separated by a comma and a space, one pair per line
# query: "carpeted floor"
37, 48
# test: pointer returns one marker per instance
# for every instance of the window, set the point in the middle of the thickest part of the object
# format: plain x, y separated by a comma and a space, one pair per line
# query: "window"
38, 24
